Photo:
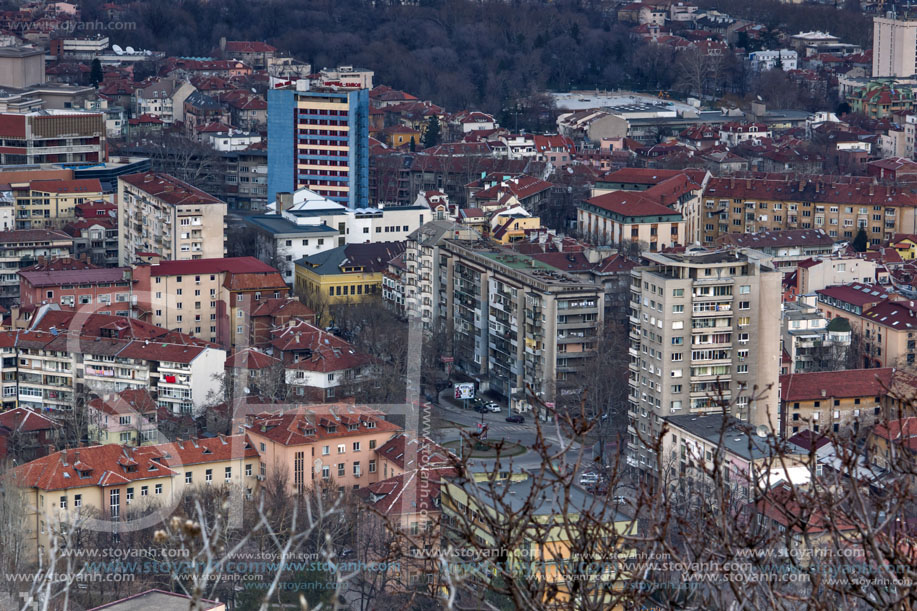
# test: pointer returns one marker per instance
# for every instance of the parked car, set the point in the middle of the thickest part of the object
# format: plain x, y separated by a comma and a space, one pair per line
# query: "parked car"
494, 407
588, 479
517, 418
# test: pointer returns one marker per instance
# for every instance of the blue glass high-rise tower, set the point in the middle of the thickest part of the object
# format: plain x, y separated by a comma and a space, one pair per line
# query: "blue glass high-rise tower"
319, 139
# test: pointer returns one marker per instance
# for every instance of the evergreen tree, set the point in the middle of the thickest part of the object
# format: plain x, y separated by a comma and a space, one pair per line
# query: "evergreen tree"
413, 144
431, 133
95, 72
860, 242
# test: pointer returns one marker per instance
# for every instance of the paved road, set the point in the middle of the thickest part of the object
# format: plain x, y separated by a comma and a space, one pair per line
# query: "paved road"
498, 428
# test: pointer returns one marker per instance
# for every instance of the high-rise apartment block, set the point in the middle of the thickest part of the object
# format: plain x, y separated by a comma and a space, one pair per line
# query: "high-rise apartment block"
318, 138
516, 321
894, 46
704, 332
163, 215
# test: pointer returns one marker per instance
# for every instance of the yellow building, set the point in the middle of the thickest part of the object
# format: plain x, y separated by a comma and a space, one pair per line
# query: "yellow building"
109, 482
51, 203
511, 228
552, 549
906, 245
347, 274
827, 401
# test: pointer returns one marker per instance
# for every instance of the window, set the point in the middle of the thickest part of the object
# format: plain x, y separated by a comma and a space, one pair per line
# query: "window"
325, 451
678, 324
372, 442
248, 470
144, 490
326, 472
158, 489
77, 500
189, 477
677, 356
342, 470
227, 473
356, 468
356, 446
744, 321
745, 289
678, 292
678, 309
208, 476
341, 448
63, 502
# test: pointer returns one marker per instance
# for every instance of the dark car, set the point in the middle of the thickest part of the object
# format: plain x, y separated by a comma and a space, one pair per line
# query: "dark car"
481, 409
517, 418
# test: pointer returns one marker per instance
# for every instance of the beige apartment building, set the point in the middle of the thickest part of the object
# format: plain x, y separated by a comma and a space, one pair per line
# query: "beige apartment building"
840, 205
163, 215
704, 331
516, 321
894, 47
113, 481
211, 299
51, 203
327, 445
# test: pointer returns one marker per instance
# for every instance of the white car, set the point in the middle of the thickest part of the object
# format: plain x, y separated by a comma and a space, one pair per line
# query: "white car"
494, 407
588, 479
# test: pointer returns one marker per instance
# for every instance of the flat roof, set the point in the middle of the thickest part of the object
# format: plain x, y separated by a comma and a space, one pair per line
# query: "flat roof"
277, 225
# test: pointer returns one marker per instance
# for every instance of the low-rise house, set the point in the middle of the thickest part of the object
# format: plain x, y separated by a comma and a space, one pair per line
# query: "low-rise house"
126, 418
893, 444
319, 365
25, 434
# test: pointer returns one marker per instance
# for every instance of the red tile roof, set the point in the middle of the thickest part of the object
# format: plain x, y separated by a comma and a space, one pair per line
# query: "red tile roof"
857, 294
168, 188
827, 385
311, 424
250, 358
630, 204
25, 421
238, 265
777, 239
409, 452
75, 276
76, 185
422, 487
327, 352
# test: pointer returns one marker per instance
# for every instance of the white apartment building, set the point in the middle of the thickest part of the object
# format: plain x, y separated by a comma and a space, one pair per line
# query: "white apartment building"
783, 59
309, 223
53, 365
163, 215
704, 331
894, 46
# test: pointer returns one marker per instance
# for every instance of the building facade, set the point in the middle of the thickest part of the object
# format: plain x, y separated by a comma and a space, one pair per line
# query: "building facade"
515, 321
894, 47
161, 214
319, 139
704, 331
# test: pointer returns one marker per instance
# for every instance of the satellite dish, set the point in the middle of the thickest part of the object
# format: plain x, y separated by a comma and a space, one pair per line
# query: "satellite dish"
117, 49
130, 50
762, 430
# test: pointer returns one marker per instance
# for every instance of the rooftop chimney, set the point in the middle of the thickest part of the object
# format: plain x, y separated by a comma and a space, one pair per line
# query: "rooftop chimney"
284, 201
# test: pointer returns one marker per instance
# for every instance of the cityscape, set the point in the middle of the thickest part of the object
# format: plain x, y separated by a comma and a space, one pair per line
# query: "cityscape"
458, 304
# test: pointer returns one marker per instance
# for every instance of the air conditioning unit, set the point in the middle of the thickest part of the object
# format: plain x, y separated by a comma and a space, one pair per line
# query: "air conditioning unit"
260, 478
